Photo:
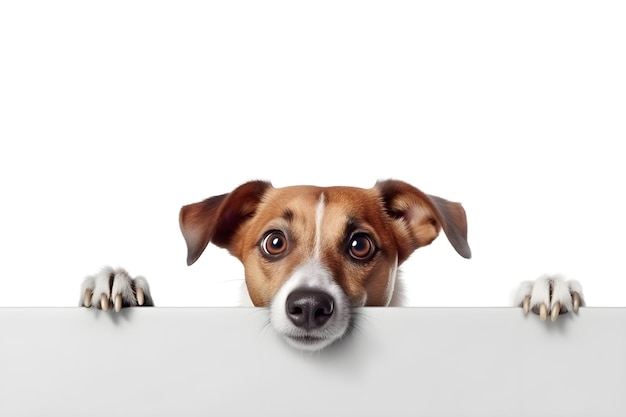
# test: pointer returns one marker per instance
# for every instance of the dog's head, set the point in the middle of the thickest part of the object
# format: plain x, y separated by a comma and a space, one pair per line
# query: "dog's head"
311, 254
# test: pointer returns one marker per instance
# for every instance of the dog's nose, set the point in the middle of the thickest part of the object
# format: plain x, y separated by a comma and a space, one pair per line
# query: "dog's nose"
309, 309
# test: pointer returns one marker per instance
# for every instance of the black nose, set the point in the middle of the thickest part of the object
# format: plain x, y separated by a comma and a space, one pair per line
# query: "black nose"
309, 309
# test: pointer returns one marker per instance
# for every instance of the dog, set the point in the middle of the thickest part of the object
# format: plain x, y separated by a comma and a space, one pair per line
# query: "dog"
312, 255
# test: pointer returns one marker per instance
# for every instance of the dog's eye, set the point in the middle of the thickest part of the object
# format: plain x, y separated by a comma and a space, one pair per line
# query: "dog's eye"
274, 243
361, 247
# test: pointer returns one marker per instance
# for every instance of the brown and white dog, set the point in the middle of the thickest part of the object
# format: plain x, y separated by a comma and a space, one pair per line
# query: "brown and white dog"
314, 254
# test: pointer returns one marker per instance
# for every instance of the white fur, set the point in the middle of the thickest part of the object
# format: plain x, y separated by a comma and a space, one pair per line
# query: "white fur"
390, 289
122, 284
548, 290
100, 284
395, 288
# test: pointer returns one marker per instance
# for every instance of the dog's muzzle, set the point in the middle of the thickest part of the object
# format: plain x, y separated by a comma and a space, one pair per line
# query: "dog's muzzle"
311, 318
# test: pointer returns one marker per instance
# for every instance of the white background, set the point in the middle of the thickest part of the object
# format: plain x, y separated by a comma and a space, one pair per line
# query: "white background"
114, 114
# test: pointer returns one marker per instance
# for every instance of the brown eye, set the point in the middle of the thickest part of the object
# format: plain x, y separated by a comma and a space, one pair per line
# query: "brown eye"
361, 247
274, 243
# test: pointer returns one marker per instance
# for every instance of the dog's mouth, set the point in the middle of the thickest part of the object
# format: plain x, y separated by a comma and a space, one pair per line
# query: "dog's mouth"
309, 342
318, 339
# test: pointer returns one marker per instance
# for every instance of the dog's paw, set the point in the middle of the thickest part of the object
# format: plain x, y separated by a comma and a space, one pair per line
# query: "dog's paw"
550, 295
114, 286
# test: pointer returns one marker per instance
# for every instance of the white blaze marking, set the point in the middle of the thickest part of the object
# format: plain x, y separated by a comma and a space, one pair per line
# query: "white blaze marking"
319, 215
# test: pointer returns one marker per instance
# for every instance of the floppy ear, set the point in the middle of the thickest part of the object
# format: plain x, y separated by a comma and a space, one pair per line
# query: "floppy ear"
217, 218
418, 218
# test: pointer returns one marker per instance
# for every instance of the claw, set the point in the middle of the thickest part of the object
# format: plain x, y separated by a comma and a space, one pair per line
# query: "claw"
556, 310
104, 302
543, 312
576, 297
118, 303
526, 304
87, 298
140, 297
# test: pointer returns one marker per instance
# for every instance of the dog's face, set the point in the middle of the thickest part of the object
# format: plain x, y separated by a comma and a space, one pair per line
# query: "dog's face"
312, 254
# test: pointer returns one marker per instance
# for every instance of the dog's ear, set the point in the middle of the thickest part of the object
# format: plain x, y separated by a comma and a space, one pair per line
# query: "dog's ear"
418, 218
217, 218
